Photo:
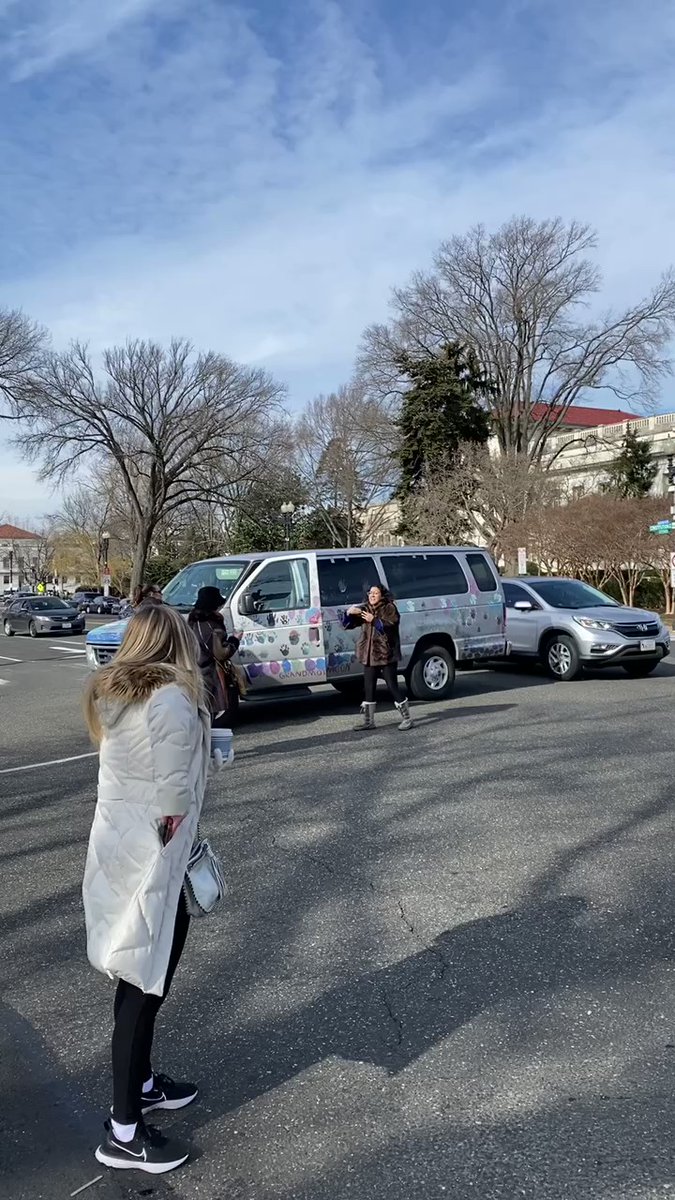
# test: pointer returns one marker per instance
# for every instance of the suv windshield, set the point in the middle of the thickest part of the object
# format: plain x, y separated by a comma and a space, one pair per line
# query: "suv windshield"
571, 593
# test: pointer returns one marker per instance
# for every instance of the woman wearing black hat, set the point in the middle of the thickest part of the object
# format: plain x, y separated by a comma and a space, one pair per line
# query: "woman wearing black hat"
216, 651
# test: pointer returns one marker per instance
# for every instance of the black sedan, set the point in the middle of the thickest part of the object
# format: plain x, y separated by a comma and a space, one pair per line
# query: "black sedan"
102, 604
42, 614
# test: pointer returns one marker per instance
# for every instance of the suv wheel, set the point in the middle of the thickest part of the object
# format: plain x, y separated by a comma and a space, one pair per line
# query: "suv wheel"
432, 675
9, 632
561, 658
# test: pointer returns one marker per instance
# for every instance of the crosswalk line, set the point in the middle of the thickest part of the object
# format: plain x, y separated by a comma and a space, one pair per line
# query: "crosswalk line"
68, 649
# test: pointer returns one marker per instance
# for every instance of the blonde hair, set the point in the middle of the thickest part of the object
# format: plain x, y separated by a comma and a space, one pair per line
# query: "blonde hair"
157, 648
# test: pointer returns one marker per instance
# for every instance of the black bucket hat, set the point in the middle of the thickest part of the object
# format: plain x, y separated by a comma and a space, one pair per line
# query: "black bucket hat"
209, 599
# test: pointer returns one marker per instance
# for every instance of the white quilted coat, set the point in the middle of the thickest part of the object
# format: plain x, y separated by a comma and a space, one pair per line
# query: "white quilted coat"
153, 763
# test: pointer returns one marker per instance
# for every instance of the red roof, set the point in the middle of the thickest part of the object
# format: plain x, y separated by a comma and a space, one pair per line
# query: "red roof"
578, 416
13, 533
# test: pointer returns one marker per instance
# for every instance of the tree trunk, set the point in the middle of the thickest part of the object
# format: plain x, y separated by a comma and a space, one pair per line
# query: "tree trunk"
140, 556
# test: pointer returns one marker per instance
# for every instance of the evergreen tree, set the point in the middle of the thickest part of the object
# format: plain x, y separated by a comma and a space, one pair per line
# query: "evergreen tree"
444, 407
634, 471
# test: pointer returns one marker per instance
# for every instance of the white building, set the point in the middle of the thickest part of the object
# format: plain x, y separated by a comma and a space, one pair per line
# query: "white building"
20, 557
580, 453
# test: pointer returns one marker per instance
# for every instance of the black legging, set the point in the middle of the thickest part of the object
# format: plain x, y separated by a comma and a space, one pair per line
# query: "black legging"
135, 1013
390, 674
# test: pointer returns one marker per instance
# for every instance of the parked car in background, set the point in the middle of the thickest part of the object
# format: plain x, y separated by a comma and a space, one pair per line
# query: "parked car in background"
568, 625
11, 598
42, 614
101, 604
80, 599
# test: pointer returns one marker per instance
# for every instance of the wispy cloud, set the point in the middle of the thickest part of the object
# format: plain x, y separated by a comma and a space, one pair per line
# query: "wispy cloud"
58, 30
258, 176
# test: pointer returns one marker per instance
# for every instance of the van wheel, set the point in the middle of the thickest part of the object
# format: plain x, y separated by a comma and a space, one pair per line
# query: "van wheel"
561, 658
352, 688
432, 675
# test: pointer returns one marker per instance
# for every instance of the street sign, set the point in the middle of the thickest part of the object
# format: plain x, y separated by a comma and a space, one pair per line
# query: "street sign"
106, 580
522, 560
664, 526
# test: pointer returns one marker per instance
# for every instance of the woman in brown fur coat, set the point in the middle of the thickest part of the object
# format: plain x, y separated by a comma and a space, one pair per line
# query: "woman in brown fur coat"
379, 651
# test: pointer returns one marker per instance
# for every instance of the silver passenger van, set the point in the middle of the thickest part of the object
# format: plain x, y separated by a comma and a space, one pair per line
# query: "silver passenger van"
290, 607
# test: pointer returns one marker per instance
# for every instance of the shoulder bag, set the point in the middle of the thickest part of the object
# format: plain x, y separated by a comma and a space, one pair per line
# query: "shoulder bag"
204, 887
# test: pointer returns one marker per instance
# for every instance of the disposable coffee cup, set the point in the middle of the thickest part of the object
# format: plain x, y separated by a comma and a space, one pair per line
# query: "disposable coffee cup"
221, 739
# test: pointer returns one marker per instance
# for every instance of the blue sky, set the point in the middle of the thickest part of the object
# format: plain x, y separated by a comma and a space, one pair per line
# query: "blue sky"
258, 176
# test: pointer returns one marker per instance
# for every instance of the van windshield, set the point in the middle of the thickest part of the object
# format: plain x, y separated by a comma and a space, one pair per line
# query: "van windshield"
181, 591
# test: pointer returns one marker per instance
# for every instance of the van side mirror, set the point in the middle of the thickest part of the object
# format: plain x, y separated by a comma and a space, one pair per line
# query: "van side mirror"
524, 606
246, 604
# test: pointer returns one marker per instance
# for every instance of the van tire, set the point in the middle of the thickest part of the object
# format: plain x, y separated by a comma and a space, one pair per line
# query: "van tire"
432, 675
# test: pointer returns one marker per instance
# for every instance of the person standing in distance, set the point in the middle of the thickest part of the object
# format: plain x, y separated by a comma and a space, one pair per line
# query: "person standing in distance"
146, 712
379, 651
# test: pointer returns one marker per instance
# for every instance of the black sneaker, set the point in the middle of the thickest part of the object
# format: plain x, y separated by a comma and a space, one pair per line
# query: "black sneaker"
148, 1151
166, 1093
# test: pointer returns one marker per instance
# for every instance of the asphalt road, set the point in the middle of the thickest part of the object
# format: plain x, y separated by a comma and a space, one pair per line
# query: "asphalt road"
445, 969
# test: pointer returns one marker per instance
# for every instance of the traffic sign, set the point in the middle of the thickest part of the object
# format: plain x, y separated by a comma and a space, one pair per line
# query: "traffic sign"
664, 526
106, 580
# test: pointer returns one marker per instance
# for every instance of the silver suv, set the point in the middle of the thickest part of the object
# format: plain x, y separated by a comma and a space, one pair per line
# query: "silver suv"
568, 625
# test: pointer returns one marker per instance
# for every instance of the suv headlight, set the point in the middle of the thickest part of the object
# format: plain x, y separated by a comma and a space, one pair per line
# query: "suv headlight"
592, 623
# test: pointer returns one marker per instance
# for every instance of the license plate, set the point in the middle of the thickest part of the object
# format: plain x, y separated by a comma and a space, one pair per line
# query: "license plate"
648, 645
66, 625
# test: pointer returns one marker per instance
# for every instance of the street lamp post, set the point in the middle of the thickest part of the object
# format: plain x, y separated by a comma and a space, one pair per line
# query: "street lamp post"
105, 545
11, 569
287, 510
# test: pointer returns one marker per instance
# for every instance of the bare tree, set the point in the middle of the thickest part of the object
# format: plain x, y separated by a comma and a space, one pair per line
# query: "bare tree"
168, 418
91, 509
597, 538
22, 343
478, 496
343, 445
518, 299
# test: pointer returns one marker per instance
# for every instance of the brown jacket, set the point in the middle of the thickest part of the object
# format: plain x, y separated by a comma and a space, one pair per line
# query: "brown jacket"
379, 643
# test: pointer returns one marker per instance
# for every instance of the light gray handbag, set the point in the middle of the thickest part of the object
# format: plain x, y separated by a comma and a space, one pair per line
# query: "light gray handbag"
205, 887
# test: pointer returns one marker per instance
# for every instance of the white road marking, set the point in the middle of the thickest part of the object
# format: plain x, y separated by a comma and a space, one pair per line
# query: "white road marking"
3, 681
5, 658
53, 762
68, 649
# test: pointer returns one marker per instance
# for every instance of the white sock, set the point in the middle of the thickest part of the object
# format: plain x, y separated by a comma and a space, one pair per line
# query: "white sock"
124, 1133
148, 1085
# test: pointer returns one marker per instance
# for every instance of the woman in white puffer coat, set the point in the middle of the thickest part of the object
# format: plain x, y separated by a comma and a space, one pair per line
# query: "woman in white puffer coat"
146, 710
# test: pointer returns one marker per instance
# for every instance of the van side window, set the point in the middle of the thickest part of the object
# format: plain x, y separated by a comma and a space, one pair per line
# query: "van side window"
344, 581
281, 586
413, 576
482, 572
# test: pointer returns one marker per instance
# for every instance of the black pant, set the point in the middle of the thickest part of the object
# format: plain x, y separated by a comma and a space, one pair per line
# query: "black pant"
371, 676
135, 1013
